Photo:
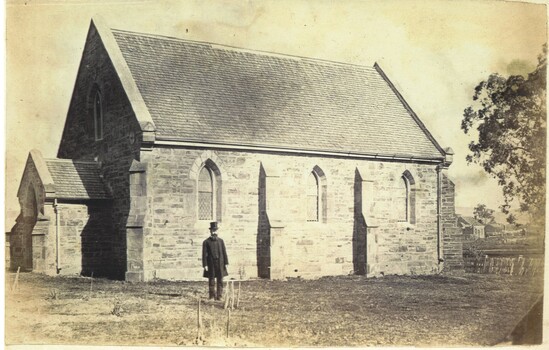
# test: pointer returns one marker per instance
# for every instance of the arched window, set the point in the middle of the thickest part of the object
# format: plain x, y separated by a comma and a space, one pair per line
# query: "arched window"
403, 199
206, 196
98, 115
406, 198
33, 201
209, 178
317, 208
312, 197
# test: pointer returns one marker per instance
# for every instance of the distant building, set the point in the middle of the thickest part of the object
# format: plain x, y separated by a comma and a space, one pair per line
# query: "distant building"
494, 229
515, 230
471, 227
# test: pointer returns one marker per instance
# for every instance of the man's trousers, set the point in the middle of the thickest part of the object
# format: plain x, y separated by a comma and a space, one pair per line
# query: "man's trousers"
211, 283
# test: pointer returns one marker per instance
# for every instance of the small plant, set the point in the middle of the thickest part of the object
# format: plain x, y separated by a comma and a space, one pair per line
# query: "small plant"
242, 273
53, 294
117, 308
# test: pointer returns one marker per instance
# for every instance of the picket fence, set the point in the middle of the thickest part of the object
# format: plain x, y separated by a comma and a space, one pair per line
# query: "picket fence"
516, 266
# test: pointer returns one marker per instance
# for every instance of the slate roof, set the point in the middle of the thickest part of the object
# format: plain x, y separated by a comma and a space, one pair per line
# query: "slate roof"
77, 179
200, 92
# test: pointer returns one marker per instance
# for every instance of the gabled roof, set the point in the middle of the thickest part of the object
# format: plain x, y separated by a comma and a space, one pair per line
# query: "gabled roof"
65, 178
206, 93
77, 179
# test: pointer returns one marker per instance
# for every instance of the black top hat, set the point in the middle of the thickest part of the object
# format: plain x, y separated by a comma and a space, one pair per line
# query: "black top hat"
213, 225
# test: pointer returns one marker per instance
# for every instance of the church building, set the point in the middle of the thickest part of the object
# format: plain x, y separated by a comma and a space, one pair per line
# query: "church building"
311, 168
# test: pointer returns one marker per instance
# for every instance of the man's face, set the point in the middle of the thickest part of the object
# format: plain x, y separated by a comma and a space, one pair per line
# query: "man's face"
213, 232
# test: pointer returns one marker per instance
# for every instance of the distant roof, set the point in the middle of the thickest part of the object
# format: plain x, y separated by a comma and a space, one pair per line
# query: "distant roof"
77, 179
471, 220
495, 225
201, 92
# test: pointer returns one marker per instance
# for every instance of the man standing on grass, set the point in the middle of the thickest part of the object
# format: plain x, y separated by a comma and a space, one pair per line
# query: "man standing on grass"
214, 261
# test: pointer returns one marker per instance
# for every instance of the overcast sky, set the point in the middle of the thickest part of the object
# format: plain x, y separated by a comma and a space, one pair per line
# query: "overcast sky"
435, 52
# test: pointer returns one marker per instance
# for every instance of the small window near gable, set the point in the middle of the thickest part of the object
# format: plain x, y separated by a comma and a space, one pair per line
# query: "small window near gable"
98, 115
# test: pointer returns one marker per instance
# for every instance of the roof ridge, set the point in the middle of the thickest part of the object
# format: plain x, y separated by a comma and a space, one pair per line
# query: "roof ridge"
65, 160
246, 50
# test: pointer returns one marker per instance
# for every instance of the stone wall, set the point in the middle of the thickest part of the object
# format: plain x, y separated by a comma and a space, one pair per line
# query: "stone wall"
84, 240
7, 258
452, 234
31, 197
121, 136
21, 243
172, 234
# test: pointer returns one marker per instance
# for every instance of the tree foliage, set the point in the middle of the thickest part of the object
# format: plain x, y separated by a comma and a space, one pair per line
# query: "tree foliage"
482, 214
509, 115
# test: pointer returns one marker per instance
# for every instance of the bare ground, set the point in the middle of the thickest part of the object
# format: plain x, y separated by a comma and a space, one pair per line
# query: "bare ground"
334, 311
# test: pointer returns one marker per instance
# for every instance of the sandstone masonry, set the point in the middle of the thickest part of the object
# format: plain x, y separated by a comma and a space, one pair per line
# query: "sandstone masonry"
311, 168
172, 234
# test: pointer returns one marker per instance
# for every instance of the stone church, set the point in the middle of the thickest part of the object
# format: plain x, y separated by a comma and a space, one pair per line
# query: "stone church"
311, 167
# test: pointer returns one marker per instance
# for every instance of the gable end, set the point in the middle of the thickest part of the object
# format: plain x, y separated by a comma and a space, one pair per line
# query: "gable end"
124, 74
409, 109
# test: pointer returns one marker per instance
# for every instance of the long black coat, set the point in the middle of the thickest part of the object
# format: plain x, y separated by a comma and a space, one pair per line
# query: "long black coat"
219, 269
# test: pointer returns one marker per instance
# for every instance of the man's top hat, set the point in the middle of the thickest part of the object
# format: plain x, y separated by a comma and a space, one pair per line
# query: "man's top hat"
213, 225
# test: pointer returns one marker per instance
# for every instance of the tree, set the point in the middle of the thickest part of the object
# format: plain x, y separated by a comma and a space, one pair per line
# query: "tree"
483, 215
509, 115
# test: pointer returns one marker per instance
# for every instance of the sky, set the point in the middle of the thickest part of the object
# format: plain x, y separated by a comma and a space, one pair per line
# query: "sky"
435, 52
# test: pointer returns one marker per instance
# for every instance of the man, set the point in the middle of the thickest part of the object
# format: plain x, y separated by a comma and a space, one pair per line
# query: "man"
214, 261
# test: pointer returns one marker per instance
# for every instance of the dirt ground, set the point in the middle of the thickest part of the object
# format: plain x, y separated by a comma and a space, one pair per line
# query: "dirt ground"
335, 311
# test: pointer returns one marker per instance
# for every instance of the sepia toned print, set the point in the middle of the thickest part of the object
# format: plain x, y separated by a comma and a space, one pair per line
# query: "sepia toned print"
350, 217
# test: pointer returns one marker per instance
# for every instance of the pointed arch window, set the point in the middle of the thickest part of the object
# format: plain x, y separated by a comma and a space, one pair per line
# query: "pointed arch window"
317, 209
403, 200
206, 196
312, 197
208, 189
406, 198
98, 115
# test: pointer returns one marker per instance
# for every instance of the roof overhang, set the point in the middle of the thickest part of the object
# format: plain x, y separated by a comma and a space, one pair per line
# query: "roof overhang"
170, 142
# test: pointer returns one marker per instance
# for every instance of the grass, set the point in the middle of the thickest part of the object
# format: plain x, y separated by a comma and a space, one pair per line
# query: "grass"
333, 311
